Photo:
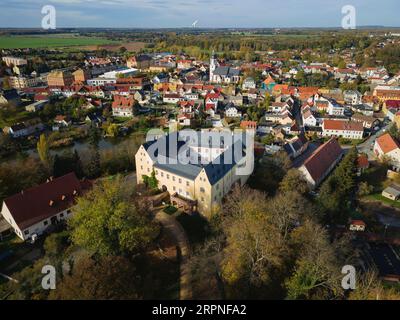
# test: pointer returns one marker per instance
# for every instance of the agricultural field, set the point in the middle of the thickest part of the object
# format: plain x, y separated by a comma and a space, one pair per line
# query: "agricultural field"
20, 42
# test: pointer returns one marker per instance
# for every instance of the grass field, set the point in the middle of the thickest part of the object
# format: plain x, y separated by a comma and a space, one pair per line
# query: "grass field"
20, 42
378, 197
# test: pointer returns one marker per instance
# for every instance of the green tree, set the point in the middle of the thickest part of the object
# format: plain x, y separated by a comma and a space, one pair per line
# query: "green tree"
337, 192
151, 182
106, 222
294, 180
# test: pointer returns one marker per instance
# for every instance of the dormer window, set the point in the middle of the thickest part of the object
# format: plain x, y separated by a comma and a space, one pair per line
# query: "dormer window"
63, 197
51, 203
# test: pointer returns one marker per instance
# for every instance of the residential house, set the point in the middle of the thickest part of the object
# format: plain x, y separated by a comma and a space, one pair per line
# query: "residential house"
358, 226
249, 83
309, 120
123, 106
61, 121
36, 106
94, 119
352, 97
25, 129
296, 147
367, 121
231, 111
365, 109
387, 148
344, 129
172, 98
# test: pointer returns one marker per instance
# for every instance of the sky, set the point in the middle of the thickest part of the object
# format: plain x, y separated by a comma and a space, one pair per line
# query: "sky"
208, 13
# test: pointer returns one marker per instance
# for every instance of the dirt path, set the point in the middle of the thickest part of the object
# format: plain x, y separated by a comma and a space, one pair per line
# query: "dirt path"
179, 234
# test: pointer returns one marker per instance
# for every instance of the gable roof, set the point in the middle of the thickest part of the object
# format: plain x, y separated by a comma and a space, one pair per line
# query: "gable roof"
343, 125
387, 143
123, 102
320, 162
33, 205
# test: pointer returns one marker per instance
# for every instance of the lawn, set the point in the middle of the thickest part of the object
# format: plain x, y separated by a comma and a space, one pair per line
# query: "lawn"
15, 118
45, 41
380, 198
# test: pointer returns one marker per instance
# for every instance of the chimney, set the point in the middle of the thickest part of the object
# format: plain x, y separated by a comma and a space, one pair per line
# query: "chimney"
63, 197
51, 203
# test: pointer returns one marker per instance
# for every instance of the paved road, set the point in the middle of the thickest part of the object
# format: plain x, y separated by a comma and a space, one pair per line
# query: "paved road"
368, 144
173, 226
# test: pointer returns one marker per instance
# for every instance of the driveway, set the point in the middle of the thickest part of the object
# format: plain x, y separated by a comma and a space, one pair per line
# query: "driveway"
174, 227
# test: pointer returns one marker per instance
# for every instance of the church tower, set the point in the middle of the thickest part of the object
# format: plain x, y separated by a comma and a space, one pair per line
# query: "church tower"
213, 65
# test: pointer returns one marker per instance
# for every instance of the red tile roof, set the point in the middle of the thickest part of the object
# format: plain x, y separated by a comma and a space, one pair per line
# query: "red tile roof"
387, 143
248, 125
362, 161
393, 104
343, 125
123, 102
33, 205
322, 159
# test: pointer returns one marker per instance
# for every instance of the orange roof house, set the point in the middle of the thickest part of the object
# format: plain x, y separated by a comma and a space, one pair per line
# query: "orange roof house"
385, 144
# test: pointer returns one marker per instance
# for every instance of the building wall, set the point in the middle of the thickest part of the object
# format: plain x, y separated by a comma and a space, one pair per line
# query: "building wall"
60, 79
38, 228
209, 197
343, 134
14, 61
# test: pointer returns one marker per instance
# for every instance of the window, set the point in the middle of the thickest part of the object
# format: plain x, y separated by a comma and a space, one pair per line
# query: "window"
162, 174
45, 223
26, 232
174, 188
61, 215
187, 183
168, 176
173, 178
202, 199
202, 190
